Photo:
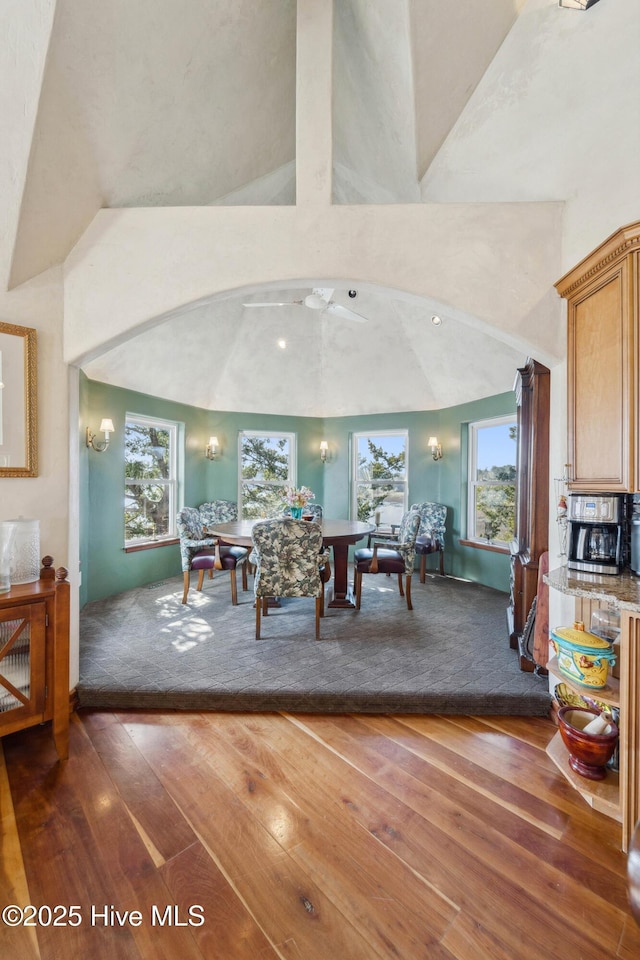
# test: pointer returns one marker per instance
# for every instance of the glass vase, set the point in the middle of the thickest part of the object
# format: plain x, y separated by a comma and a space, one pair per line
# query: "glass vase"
7, 535
296, 513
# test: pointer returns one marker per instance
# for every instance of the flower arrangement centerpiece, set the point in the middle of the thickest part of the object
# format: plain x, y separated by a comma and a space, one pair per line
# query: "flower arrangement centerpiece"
297, 498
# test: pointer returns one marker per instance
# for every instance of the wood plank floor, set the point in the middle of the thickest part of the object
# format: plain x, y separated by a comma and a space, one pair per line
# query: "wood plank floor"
281, 837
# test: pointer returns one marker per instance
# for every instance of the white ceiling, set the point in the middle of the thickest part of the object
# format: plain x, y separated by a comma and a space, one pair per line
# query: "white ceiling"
225, 357
161, 103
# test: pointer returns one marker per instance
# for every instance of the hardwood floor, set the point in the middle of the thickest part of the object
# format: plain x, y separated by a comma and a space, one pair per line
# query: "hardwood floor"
246, 836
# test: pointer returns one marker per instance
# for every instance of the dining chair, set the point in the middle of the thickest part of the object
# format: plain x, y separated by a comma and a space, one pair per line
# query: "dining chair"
430, 539
383, 556
290, 562
199, 551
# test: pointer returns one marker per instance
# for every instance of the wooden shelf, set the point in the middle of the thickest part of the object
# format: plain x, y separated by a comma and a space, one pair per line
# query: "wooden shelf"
610, 693
602, 795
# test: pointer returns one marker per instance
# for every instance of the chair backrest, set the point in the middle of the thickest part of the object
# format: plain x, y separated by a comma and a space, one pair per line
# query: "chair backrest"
192, 535
409, 527
287, 557
189, 524
407, 533
218, 511
433, 520
312, 509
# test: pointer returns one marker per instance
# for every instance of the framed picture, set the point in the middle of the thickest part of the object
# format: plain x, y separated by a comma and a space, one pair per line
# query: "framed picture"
18, 399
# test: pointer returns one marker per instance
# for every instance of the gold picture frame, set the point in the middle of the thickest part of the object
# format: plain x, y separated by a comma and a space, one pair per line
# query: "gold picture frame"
18, 401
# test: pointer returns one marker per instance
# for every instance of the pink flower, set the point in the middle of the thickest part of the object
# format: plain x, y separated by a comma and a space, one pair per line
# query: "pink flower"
298, 497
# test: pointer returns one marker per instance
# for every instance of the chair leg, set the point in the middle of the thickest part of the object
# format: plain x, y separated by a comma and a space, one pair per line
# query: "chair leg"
234, 588
187, 574
408, 591
357, 583
244, 576
318, 615
441, 562
400, 585
258, 609
423, 567
200, 579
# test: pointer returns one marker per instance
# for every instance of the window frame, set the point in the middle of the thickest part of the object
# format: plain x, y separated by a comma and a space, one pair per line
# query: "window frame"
173, 482
474, 428
293, 461
354, 465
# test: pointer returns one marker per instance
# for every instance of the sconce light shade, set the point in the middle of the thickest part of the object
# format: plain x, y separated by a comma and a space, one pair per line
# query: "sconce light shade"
324, 450
106, 427
436, 448
212, 449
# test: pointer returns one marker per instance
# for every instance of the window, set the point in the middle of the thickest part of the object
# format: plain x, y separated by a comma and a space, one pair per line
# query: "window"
267, 465
150, 493
379, 469
492, 480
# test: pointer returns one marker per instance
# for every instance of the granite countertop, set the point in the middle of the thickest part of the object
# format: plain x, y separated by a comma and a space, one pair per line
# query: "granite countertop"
621, 591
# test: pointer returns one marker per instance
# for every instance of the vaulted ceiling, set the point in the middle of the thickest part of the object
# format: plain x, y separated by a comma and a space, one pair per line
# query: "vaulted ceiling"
161, 103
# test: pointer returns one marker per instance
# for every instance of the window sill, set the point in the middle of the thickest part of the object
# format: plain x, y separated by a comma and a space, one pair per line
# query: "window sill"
150, 544
483, 545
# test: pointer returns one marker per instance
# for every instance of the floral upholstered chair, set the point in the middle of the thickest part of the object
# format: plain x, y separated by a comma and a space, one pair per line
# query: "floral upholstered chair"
199, 551
218, 511
430, 539
384, 556
290, 562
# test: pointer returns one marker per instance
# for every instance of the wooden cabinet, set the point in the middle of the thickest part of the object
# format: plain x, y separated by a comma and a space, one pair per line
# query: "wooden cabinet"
618, 795
603, 327
532, 389
34, 655
630, 724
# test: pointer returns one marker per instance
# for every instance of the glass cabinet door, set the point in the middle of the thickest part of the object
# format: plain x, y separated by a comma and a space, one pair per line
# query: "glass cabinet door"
22, 669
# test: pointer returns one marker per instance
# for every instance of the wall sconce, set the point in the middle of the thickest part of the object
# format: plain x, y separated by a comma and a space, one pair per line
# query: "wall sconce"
436, 448
106, 427
212, 449
324, 450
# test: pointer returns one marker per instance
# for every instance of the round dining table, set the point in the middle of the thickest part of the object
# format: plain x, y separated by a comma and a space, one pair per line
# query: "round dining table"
337, 534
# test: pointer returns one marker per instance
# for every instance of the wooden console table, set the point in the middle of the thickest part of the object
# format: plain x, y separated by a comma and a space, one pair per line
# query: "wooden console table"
34, 655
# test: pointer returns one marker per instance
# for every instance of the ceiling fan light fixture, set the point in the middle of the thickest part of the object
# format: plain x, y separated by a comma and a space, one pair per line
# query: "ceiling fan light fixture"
315, 301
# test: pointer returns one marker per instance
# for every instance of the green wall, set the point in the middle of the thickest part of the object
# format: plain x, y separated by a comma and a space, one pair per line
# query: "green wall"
106, 569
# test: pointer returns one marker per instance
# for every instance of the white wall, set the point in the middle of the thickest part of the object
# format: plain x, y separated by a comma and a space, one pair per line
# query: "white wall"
556, 116
25, 27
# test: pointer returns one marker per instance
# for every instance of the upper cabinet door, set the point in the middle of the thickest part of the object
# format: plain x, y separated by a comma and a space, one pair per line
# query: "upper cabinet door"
600, 380
602, 324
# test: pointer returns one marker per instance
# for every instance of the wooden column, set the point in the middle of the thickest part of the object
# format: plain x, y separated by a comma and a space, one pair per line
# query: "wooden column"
532, 389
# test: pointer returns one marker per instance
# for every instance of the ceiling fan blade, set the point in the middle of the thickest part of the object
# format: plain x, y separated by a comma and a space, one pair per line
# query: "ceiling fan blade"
274, 303
336, 310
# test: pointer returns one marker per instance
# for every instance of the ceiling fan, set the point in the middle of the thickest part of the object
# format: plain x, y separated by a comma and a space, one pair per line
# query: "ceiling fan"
319, 299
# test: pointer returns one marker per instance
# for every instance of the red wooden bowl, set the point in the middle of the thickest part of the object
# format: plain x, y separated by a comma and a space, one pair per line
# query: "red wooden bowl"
589, 753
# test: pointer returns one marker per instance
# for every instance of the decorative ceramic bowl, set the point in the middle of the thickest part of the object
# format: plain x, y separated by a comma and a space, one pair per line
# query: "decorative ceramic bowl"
589, 753
583, 657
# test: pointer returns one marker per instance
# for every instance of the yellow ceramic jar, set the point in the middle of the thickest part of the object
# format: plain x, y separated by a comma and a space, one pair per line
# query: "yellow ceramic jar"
582, 657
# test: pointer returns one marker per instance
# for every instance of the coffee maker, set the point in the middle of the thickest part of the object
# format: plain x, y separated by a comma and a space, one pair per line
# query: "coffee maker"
596, 533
